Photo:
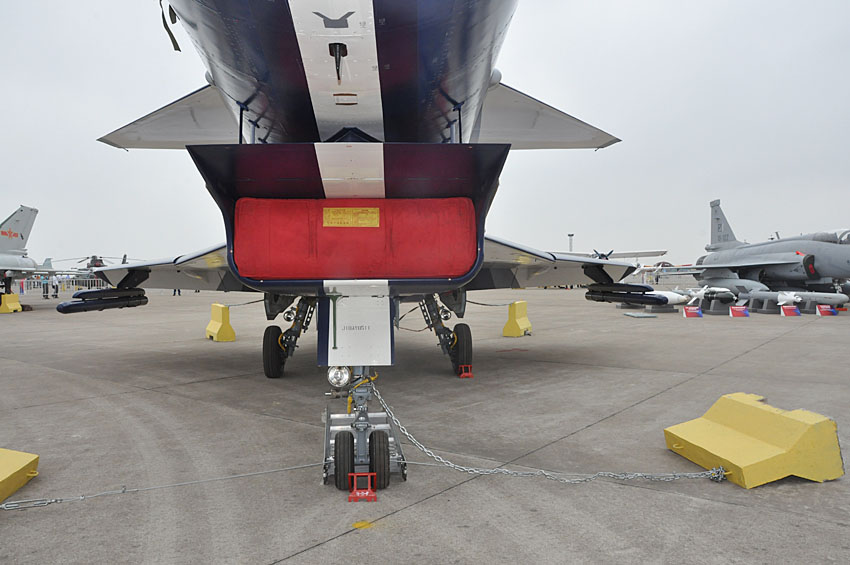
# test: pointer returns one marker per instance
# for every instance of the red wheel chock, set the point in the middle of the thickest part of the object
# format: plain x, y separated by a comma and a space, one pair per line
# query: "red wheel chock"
361, 486
464, 371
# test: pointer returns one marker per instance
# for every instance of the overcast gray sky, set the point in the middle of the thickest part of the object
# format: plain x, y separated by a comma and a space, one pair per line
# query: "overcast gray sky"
746, 101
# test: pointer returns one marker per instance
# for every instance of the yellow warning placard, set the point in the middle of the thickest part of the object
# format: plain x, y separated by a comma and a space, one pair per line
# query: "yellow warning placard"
351, 217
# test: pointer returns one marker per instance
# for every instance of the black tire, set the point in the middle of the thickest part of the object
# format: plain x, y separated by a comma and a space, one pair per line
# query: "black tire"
343, 458
379, 458
461, 353
273, 355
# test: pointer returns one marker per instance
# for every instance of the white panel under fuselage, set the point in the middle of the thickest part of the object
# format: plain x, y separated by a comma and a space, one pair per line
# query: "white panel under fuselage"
355, 99
362, 331
351, 170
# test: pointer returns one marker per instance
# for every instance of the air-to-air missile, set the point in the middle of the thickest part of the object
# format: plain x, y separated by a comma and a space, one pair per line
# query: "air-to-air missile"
794, 297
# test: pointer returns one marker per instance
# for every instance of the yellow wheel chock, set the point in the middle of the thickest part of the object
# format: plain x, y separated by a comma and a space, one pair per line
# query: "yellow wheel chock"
757, 443
9, 303
16, 469
518, 323
219, 328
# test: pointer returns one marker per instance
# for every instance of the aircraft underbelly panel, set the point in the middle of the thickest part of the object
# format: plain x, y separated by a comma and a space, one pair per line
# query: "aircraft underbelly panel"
411, 69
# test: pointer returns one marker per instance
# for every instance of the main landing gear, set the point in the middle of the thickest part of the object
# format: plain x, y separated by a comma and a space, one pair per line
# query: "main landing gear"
456, 343
279, 345
360, 441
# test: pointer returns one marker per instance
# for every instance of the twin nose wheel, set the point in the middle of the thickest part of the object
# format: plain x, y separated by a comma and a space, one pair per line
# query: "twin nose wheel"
379, 458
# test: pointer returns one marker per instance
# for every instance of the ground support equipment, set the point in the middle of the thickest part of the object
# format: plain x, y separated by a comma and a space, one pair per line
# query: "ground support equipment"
456, 343
16, 469
757, 443
361, 441
279, 345
714, 307
518, 324
9, 303
764, 306
219, 328
361, 486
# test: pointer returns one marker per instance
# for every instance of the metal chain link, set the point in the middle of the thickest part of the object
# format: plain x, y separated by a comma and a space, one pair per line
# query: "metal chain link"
716, 474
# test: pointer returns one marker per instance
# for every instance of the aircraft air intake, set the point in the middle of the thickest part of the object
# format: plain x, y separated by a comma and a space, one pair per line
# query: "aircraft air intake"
298, 214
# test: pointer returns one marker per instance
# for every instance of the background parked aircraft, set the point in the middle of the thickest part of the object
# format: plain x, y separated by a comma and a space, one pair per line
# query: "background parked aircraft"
14, 261
817, 262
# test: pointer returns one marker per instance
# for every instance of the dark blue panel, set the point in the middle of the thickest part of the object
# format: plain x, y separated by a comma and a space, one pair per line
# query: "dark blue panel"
323, 326
435, 55
252, 53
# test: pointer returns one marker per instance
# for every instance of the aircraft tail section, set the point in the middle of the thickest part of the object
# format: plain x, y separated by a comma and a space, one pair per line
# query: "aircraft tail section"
722, 236
15, 230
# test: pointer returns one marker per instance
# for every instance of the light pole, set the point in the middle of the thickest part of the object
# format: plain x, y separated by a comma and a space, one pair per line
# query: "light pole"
570, 235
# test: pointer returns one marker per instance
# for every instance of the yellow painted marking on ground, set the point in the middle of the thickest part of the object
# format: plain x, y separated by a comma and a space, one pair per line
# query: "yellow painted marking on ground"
351, 217
362, 525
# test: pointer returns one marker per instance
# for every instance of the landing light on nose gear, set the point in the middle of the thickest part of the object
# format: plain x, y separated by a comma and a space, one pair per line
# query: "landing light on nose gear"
338, 377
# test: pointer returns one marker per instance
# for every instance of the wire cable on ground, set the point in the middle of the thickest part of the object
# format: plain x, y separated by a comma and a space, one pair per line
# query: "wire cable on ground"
485, 304
39, 502
244, 303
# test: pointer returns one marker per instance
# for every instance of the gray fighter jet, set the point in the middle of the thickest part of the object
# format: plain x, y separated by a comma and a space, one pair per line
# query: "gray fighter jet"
817, 262
14, 262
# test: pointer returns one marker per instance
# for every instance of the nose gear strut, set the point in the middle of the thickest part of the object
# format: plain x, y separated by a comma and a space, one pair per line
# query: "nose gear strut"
360, 441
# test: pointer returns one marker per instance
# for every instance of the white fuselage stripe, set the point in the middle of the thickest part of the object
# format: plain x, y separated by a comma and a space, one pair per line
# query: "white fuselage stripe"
351, 170
353, 99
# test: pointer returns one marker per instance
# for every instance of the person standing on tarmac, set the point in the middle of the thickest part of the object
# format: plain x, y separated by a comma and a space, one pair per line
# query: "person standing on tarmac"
45, 287
54, 282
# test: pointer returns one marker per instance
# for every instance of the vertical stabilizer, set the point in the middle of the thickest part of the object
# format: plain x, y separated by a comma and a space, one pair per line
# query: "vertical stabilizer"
15, 230
722, 236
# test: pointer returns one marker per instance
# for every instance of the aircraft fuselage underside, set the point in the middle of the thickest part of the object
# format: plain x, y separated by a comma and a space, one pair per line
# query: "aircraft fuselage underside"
401, 71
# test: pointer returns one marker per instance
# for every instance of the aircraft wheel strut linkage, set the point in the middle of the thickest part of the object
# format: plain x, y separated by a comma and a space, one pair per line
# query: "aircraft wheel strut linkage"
278, 345
456, 343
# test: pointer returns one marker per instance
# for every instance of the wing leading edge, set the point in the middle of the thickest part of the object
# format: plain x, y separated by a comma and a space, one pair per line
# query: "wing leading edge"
506, 265
510, 116
511, 265
199, 118
203, 270
507, 116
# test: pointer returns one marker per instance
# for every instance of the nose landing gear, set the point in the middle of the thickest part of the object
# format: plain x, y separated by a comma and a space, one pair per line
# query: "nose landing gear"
360, 441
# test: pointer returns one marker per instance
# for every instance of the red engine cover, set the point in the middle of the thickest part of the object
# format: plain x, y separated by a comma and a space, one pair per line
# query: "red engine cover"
279, 239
